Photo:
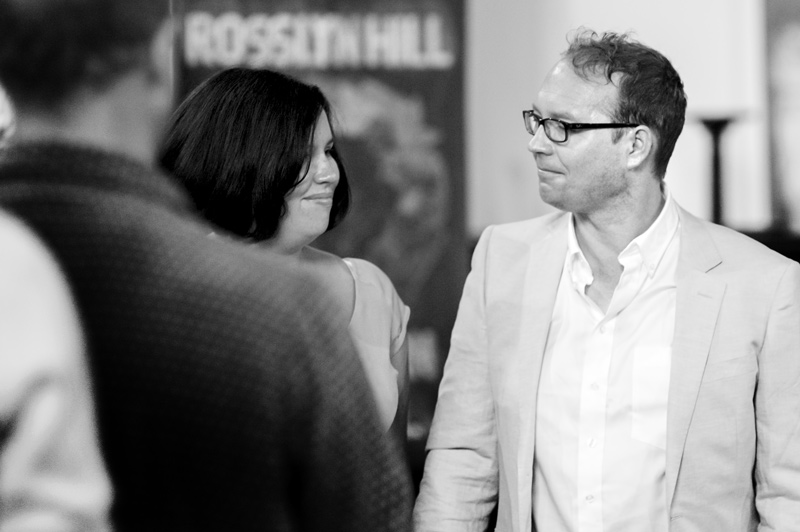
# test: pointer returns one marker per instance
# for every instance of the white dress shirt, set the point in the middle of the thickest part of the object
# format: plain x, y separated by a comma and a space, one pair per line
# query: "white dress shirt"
601, 417
51, 473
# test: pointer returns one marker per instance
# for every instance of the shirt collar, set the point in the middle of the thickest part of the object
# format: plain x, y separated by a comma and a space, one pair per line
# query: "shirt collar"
646, 249
577, 266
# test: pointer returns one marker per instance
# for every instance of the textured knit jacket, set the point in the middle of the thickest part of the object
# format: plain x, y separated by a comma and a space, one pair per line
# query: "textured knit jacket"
228, 396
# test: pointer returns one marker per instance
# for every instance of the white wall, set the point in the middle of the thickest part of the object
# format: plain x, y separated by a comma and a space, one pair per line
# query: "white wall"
716, 45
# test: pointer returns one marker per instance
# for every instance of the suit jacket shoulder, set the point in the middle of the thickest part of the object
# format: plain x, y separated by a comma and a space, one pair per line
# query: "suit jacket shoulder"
734, 251
529, 230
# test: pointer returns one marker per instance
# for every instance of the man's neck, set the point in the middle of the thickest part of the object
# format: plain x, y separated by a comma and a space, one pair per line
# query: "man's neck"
108, 120
607, 232
45, 128
603, 235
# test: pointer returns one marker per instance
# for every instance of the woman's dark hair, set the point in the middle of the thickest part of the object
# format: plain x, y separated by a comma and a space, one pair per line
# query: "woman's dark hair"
240, 142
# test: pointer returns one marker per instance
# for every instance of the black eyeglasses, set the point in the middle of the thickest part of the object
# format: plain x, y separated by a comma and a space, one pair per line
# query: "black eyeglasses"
558, 130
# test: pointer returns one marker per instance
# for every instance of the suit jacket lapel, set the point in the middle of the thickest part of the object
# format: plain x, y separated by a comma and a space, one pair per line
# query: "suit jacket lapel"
545, 262
699, 297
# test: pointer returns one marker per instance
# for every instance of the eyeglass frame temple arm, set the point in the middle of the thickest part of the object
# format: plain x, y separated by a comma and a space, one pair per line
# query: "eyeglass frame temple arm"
526, 113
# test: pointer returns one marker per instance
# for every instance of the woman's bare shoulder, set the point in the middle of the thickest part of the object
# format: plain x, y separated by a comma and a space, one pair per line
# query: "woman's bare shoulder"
334, 273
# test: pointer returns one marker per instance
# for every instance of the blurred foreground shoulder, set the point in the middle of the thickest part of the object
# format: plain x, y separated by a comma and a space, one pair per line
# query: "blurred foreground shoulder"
51, 472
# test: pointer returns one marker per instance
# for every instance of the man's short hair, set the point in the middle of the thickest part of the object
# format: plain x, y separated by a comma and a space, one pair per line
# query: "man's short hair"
240, 143
650, 89
50, 48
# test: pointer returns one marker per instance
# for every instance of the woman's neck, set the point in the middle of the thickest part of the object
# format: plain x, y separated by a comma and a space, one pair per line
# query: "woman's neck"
290, 251
300, 252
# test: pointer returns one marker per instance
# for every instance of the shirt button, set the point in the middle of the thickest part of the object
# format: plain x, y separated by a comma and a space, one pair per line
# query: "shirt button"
595, 386
602, 329
590, 498
592, 443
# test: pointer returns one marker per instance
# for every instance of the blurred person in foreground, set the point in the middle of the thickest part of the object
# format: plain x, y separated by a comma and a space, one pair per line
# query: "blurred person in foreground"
621, 366
228, 394
256, 151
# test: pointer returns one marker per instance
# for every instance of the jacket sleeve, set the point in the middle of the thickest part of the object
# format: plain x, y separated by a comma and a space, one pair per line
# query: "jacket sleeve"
460, 480
777, 404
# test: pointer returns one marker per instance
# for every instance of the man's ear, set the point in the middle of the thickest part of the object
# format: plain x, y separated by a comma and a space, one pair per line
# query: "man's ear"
642, 147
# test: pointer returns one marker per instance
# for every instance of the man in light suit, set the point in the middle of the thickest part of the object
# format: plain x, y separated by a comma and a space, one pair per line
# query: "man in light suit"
621, 366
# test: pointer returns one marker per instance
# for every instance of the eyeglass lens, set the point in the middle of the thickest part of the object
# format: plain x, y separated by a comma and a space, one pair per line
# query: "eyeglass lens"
554, 129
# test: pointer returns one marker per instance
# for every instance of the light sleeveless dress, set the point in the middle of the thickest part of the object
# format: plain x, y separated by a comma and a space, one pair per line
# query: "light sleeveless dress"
378, 328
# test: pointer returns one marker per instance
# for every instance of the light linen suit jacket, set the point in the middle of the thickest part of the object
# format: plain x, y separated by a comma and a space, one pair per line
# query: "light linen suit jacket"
733, 427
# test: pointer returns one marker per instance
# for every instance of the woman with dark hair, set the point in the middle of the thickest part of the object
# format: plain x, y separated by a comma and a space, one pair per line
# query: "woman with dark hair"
255, 149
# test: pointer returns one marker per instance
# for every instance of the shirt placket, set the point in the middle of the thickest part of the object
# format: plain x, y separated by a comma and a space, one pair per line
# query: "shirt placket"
593, 399
591, 432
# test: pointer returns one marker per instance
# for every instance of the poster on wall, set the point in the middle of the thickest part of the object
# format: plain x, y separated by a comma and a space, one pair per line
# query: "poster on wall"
393, 70
783, 64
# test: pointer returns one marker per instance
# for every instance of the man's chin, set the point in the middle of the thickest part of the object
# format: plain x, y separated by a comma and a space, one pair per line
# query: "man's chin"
550, 196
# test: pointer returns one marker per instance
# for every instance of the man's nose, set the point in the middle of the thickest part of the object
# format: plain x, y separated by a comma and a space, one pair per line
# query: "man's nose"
539, 142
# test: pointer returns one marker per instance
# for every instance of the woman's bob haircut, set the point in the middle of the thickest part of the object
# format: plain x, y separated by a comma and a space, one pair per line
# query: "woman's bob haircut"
240, 143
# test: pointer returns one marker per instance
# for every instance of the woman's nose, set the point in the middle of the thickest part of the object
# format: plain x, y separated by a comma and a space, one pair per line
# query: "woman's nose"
326, 171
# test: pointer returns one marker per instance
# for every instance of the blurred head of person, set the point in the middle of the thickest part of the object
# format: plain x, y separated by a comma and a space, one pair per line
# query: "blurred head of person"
256, 150
91, 71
